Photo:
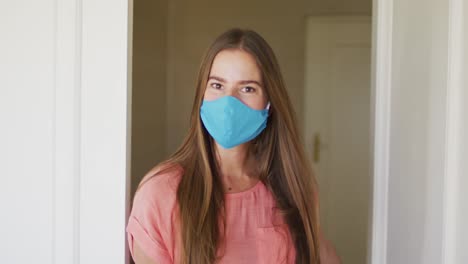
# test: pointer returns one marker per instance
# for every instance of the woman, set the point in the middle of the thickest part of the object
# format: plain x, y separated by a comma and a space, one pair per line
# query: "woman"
240, 188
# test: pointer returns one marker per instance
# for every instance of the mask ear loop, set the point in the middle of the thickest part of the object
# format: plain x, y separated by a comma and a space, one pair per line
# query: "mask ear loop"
255, 141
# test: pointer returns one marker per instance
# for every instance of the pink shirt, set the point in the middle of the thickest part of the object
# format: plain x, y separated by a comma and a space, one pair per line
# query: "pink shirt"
255, 231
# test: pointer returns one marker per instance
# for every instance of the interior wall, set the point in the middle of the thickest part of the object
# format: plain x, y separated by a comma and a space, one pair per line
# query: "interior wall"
427, 210
418, 134
26, 139
169, 39
63, 136
193, 25
461, 208
149, 87
460, 230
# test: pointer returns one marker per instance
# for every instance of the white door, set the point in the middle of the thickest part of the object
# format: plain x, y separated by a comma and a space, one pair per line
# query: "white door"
64, 140
337, 129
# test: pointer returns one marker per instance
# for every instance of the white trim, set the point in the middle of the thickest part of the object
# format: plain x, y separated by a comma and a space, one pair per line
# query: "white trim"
453, 119
67, 99
92, 133
66, 200
77, 118
104, 136
129, 122
381, 94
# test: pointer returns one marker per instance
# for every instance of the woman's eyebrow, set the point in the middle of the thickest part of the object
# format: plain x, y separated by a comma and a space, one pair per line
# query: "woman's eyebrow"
240, 82
219, 79
250, 81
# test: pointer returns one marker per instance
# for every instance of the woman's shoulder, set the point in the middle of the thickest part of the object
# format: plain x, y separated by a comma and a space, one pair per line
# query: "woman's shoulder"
153, 215
159, 186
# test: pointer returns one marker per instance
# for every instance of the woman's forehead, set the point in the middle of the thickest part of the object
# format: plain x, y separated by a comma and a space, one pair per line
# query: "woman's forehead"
235, 65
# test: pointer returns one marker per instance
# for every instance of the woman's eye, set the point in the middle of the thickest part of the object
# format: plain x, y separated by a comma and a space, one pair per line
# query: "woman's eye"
216, 86
248, 89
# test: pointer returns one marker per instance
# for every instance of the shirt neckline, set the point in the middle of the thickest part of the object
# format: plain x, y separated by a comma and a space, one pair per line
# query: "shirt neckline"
245, 192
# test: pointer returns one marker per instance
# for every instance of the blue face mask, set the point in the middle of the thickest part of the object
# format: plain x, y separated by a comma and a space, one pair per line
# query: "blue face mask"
230, 122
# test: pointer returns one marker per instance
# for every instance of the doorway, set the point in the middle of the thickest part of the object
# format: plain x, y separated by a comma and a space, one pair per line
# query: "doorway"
337, 116
166, 58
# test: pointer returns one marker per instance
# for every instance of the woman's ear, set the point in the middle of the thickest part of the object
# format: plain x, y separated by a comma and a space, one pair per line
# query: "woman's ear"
268, 107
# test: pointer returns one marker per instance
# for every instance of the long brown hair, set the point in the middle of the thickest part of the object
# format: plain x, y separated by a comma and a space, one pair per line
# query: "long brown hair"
282, 164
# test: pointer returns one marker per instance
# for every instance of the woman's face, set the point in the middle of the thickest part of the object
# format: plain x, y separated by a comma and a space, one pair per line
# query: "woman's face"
235, 72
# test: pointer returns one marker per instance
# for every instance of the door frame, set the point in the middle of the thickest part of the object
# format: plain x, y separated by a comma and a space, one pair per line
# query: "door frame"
381, 89
381, 75
311, 116
80, 32
93, 65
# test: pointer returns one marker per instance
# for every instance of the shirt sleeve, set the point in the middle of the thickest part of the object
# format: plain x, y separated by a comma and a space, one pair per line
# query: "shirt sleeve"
147, 224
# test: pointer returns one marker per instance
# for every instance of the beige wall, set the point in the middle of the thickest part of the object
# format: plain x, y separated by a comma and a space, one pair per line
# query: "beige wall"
194, 24
190, 27
149, 86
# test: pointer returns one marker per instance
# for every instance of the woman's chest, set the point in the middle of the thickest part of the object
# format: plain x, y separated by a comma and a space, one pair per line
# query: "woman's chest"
256, 233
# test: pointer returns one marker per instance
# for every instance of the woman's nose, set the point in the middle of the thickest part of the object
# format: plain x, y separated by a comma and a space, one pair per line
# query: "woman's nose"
231, 91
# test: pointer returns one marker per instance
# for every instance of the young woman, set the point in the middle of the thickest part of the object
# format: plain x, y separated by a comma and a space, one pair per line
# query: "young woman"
240, 188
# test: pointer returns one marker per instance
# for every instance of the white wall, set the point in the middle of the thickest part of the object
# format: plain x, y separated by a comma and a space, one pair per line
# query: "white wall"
419, 78
461, 206
457, 237
64, 95
64, 131
424, 220
26, 136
